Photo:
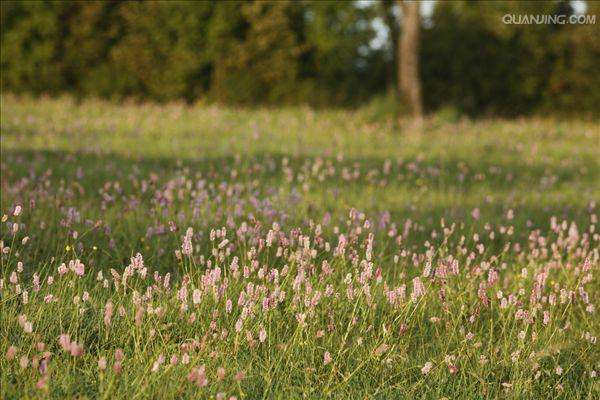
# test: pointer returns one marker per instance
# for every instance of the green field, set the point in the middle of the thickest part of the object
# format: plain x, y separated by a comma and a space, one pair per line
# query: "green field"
333, 254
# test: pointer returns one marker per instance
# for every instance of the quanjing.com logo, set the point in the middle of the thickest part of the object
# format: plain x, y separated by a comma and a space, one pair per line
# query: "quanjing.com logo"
547, 19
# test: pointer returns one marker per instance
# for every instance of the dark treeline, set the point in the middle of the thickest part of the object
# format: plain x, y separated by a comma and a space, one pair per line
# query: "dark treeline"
302, 52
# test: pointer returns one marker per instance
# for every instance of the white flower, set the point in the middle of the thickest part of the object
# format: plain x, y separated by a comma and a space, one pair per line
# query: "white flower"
426, 368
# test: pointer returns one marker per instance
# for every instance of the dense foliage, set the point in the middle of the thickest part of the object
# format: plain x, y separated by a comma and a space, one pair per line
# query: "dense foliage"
308, 52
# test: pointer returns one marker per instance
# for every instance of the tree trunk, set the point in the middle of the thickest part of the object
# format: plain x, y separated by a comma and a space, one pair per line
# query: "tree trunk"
408, 59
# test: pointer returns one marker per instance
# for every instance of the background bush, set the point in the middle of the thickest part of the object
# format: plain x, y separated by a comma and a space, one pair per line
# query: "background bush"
317, 53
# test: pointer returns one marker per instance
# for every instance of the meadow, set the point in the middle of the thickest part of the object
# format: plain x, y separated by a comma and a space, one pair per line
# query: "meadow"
174, 251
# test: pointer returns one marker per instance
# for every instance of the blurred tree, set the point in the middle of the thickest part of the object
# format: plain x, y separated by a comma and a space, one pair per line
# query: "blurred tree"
90, 32
339, 65
161, 49
261, 52
572, 85
31, 46
408, 58
478, 64
393, 27
316, 52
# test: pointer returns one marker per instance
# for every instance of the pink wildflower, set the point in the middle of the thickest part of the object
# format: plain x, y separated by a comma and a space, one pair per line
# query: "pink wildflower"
64, 340
76, 349
108, 312
119, 354
11, 352
418, 289
426, 368
186, 247
327, 358
262, 335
